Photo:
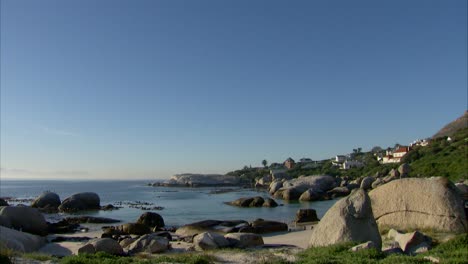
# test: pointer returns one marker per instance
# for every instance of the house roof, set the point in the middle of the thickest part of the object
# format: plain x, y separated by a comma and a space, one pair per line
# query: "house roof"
401, 149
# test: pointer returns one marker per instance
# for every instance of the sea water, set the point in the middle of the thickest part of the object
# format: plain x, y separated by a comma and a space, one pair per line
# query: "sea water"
181, 205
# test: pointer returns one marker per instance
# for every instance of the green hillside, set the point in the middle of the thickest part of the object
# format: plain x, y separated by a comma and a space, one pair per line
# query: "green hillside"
441, 157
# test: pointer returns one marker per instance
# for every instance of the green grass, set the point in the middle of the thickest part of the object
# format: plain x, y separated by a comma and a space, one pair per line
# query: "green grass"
38, 256
453, 251
102, 258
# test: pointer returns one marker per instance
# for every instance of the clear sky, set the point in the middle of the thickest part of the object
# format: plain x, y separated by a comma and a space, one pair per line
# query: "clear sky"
147, 89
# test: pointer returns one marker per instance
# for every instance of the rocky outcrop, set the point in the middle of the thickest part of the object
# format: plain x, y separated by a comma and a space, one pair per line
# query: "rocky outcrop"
81, 202
47, 200
306, 215
244, 240
152, 220
20, 241
349, 219
23, 218
209, 240
293, 189
217, 226
253, 202
339, 192
149, 243
415, 203
199, 180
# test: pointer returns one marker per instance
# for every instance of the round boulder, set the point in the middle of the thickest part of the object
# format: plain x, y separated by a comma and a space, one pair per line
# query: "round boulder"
20, 241
149, 243
366, 183
151, 219
349, 219
23, 218
209, 240
419, 203
244, 240
81, 202
107, 245
47, 200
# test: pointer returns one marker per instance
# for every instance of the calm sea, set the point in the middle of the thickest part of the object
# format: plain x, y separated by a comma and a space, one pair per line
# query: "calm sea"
181, 205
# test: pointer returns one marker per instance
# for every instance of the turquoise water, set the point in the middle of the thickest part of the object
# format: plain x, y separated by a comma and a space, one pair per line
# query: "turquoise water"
181, 205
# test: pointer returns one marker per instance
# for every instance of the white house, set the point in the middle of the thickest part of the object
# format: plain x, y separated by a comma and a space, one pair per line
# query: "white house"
340, 158
348, 164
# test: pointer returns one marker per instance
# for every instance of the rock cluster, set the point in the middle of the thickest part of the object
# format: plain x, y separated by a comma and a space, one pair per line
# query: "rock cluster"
253, 202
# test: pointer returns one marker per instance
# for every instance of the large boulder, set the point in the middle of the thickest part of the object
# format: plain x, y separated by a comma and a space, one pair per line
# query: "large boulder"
244, 240
339, 192
149, 243
20, 241
275, 186
349, 219
151, 219
23, 218
209, 240
107, 245
81, 202
47, 200
293, 189
419, 203
311, 195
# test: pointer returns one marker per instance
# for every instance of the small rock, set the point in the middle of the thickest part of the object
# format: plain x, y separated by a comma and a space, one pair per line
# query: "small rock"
86, 249
244, 240
366, 245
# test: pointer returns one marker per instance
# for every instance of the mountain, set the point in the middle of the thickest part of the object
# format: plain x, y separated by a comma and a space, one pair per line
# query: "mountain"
451, 128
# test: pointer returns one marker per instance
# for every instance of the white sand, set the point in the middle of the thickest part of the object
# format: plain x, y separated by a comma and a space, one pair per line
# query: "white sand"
294, 238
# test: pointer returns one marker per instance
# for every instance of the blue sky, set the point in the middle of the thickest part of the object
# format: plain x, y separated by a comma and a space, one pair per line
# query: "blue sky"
146, 89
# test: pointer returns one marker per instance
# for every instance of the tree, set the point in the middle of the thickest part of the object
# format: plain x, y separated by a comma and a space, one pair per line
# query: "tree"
376, 149
264, 163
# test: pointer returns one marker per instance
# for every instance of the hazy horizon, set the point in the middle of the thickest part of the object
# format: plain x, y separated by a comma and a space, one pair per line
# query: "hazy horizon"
149, 89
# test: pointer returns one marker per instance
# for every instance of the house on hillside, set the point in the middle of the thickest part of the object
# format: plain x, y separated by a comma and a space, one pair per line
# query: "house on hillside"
340, 158
394, 156
348, 164
305, 160
289, 163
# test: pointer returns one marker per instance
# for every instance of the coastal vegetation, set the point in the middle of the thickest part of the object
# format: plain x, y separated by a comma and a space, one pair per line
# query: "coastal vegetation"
444, 156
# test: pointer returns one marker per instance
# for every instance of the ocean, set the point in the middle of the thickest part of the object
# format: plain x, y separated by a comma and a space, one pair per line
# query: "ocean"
180, 205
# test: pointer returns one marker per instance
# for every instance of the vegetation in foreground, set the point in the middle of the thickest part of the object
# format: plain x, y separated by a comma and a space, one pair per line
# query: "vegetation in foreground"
453, 251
